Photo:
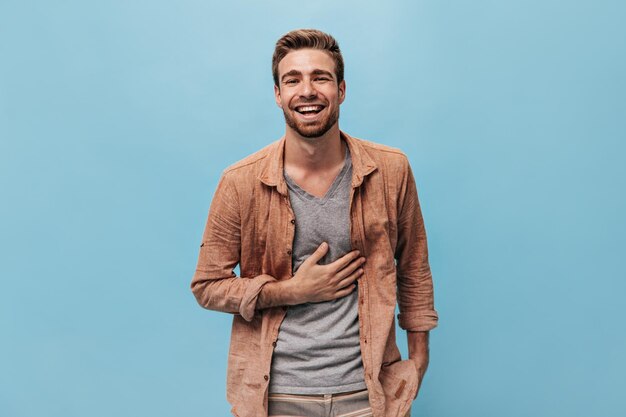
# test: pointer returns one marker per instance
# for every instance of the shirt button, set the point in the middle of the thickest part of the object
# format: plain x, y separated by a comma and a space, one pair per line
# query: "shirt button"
265, 377
292, 221
288, 251
274, 344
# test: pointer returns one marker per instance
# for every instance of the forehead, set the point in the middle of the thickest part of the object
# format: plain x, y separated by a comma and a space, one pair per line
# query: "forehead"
306, 61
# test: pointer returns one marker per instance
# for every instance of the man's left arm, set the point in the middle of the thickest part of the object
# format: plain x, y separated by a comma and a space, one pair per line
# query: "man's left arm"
414, 279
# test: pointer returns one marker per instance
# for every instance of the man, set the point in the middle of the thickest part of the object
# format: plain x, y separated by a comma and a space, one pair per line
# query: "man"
328, 233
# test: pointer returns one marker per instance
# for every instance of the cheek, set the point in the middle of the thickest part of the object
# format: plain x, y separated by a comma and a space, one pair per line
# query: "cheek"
333, 97
285, 100
282, 99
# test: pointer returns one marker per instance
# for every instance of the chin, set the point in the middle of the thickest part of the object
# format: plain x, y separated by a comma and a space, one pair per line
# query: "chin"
312, 134
313, 131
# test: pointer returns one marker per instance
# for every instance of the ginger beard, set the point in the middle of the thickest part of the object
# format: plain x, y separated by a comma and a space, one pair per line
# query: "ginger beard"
313, 128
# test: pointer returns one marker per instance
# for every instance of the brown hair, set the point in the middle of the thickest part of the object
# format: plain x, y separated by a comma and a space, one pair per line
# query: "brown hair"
307, 38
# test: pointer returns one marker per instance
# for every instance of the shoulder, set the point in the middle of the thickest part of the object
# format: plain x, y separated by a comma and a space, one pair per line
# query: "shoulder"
243, 174
386, 157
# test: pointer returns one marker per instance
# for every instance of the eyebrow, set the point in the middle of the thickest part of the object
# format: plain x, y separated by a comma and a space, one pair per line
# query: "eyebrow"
296, 72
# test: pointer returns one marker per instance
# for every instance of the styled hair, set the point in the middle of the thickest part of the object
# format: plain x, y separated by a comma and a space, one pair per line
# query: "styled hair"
307, 38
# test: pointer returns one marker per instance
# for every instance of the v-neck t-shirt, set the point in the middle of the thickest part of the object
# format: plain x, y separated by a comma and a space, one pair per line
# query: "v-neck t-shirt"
318, 350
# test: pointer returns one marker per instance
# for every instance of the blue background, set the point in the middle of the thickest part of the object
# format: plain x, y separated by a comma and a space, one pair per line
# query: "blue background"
117, 118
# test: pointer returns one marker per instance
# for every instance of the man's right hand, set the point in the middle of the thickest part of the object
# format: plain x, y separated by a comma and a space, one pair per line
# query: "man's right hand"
316, 283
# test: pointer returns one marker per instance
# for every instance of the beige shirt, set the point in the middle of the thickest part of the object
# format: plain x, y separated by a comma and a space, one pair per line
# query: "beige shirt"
250, 223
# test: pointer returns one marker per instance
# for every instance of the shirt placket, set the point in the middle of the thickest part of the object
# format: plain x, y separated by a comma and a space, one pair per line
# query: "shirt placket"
290, 221
358, 242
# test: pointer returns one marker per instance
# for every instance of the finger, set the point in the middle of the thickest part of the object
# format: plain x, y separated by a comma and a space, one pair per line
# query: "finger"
318, 254
342, 262
350, 278
350, 268
345, 291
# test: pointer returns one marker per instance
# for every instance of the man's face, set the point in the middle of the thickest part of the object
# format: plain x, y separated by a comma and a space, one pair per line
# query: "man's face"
308, 92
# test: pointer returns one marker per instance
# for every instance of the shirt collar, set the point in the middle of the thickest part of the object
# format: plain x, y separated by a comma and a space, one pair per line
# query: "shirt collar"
271, 172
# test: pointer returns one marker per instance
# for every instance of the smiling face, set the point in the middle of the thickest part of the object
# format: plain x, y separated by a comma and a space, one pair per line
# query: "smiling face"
308, 92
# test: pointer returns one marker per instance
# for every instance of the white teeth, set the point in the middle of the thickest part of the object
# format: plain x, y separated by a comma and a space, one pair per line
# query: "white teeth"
309, 108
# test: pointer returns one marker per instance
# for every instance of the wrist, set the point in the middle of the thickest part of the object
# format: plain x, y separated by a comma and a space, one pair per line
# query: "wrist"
276, 294
289, 290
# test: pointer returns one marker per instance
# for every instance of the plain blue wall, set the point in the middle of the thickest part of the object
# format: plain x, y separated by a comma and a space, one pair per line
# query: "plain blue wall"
117, 118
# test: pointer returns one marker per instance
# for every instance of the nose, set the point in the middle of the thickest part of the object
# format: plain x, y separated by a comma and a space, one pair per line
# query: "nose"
308, 89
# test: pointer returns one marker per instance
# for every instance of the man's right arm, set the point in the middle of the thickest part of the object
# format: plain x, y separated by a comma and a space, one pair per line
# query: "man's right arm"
214, 284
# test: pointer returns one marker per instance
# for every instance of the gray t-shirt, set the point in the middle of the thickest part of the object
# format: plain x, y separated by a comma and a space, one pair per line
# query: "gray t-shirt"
318, 351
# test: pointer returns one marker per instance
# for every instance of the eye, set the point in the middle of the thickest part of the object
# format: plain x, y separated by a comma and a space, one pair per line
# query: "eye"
291, 81
322, 79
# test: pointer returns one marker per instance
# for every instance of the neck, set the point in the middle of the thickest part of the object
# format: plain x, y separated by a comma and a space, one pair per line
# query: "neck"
314, 154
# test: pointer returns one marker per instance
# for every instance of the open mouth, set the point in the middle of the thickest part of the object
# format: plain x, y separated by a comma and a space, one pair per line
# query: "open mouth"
310, 109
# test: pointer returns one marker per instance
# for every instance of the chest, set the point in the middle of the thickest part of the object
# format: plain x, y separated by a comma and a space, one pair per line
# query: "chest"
318, 187
318, 220
269, 221
316, 184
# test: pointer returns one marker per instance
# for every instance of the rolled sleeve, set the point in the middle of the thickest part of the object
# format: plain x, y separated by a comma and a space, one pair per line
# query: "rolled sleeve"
251, 294
417, 321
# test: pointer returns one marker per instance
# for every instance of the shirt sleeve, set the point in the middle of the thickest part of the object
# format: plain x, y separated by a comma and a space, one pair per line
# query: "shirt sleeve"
214, 283
414, 278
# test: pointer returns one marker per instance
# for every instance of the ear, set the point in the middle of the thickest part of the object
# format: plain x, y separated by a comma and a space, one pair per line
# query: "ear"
277, 96
342, 91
